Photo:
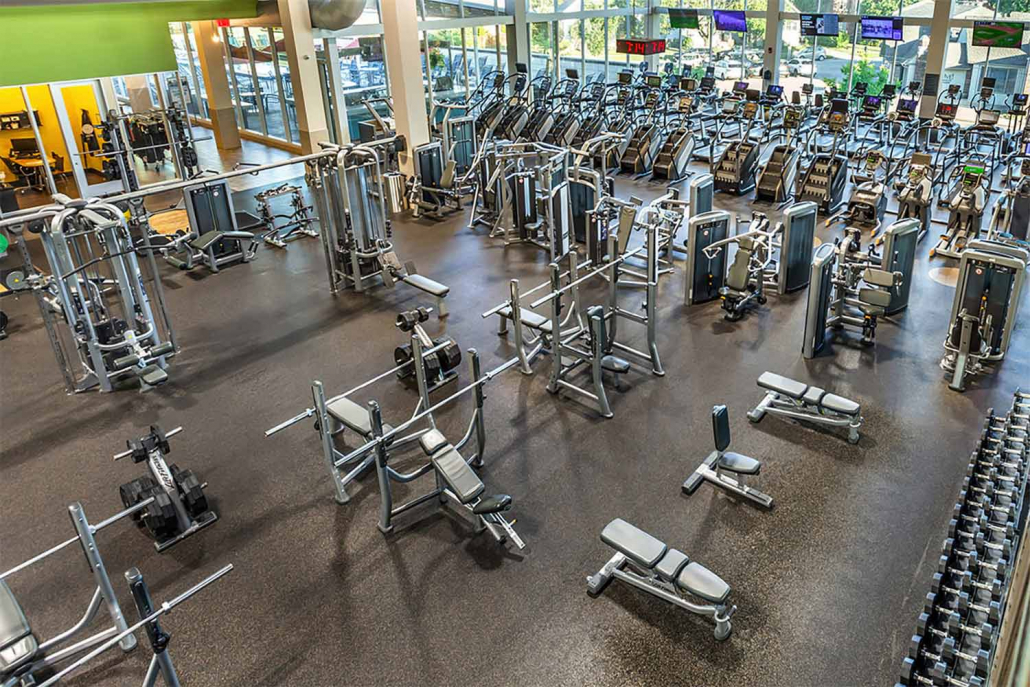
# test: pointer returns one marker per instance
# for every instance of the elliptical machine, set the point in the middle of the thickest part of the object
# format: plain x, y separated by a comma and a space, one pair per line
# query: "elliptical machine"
915, 192
868, 202
1010, 222
737, 167
776, 178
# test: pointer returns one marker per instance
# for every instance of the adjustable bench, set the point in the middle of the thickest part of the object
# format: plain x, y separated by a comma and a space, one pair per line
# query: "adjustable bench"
720, 461
666, 573
800, 401
18, 645
460, 483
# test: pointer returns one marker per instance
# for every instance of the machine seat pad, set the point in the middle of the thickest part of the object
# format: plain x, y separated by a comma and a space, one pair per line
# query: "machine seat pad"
533, 320
205, 241
671, 564
432, 441
782, 385
18, 645
493, 504
433, 288
354, 417
742, 465
839, 404
460, 478
814, 395
633, 542
700, 581
877, 298
152, 375
614, 364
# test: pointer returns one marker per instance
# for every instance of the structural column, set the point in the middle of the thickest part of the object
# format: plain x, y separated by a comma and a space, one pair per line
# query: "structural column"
773, 45
518, 41
139, 93
307, 88
216, 82
400, 34
935, 55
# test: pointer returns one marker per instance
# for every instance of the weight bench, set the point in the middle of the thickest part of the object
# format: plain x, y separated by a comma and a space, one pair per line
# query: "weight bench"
18, 645
460, 483
720, 461
799, 401
392, 270
648, 564
353, 417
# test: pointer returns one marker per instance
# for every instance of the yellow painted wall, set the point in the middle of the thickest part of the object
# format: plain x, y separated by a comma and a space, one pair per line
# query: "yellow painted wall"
49, 128
76, 98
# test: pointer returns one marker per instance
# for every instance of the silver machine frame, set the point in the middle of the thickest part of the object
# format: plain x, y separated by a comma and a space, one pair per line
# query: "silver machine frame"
785, 406
97, 276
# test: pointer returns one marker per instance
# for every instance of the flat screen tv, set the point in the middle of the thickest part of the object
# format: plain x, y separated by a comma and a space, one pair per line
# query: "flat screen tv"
998, 34
882, 28
730, 20
819, 24
683, 19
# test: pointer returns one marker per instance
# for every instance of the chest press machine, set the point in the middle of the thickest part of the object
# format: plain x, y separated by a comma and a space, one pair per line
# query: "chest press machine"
766, 257
851, 288
25, 660
347, 186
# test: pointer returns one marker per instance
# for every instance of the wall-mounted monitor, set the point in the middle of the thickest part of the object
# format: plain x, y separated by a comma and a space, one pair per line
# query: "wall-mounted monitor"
730, 20
819, 24
998, 34
882, 28
683, 19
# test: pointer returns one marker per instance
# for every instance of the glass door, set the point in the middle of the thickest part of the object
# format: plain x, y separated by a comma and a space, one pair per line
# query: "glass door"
80, 108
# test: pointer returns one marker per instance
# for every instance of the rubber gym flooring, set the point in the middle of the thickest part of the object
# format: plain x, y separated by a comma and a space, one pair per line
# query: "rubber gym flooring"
829, 583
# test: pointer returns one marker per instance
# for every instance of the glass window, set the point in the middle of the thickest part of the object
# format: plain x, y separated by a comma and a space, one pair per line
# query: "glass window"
570, 53
446, 68
617, 27
543, 5
243, 88
198, 76
593, 33
287, 85
540, 49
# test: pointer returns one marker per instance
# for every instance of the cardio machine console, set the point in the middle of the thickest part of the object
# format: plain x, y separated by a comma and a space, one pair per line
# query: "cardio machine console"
750, 109
989, 118
838, 117
686, 103
971, 176
791, 118
946, 111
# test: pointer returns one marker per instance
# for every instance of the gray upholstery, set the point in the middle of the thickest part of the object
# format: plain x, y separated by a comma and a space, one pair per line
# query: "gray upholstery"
782, 385
354, 417
614, 364
432, 441
876, 298
877, 277
531, 319
17, 643
206, 240
700, 581
460, 478
814, 395
633, 542
153, 375
447, 178
671, 565
839, 404
742, 465
433, 288
737, 277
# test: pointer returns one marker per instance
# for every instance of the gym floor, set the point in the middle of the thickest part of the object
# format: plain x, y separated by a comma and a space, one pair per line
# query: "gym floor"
829, 583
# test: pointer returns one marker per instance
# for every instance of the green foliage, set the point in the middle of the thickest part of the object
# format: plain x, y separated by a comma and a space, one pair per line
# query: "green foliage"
1006, 7
873, 74
435, 58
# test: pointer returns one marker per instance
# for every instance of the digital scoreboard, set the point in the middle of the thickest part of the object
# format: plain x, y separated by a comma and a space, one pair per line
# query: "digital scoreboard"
640, 46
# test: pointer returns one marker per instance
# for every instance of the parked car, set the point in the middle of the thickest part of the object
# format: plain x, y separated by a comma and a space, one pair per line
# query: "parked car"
796, 67
806, 54
727, 69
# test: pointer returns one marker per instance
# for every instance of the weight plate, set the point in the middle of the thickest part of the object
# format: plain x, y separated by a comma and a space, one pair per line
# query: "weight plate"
14, 280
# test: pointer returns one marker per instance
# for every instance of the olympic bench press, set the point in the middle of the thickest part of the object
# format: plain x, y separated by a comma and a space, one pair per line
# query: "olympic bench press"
797, 400
663, 572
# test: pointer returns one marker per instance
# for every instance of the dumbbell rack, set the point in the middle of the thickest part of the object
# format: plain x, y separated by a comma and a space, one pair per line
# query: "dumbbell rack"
957, 633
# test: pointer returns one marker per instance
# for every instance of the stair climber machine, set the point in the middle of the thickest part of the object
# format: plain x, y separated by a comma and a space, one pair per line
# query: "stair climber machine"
868, 201
638, 159
541, 116
594, 114
1010, 222
776, 178
983, 314
567, 115
824, 181
490, 106
737, 167
915, 192
965, 210
678, 148
516, 107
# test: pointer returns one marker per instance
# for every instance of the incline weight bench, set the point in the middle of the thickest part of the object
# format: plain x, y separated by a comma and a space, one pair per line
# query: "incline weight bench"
797, 400
720, 461
663, 572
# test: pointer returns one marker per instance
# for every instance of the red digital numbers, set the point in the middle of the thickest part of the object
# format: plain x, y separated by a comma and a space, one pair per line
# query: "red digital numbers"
629, 46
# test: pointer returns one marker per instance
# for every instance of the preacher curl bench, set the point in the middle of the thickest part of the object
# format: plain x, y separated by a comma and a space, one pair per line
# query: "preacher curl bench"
663, 572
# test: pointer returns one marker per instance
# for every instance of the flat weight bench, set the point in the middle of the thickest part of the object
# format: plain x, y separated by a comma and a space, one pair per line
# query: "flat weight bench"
666, 573
720, 461
797, 400
462, 485
354, 417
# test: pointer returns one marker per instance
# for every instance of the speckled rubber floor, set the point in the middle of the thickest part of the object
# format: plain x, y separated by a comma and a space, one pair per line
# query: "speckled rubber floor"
828, 584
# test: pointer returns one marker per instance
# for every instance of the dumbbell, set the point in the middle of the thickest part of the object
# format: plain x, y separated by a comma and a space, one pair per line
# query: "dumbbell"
981, 660
984, 632
989, 482
939, 675
1004, 549
945, 578
911, 675
944, 604
973, 509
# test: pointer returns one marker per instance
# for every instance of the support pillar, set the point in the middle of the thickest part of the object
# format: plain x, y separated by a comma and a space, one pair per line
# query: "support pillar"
517, 40
651, 22
216, 82
332, 55
307, 88
773, 43
400, 34
139, 93
935, 56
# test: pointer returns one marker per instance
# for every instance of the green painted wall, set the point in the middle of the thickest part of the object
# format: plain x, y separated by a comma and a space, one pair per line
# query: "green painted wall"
67, 42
